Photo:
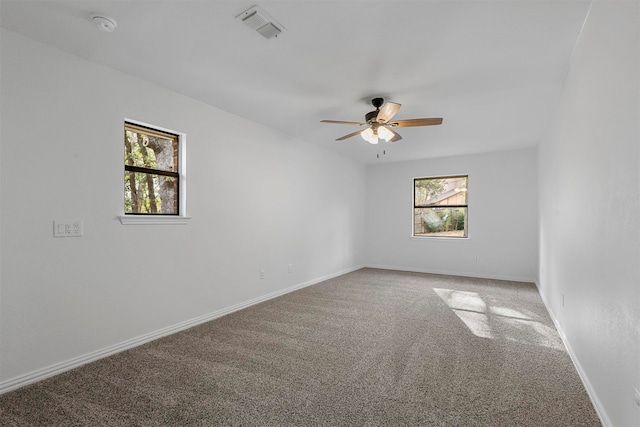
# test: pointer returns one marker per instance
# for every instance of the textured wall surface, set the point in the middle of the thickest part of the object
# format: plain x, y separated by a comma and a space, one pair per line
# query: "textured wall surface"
589, 209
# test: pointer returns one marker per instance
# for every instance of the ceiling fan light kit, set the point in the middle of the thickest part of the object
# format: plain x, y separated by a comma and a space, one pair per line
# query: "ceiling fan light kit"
385, 134
379, 125
369, 136
374, 134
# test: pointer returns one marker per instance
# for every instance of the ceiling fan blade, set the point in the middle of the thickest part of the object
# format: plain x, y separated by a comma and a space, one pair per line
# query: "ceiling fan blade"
396, 135
349, 136
339, 122
416, 122
387, 112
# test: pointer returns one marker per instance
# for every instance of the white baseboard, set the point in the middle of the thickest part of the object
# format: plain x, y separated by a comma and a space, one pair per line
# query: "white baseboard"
58, 368
602, 413
454, 273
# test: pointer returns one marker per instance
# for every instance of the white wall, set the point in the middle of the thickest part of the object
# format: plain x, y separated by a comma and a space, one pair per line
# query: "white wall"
502, 218
259, 200
589, 196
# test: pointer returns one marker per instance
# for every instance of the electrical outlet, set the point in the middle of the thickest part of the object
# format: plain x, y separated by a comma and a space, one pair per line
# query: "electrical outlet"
262, 274
290, 268
476, 259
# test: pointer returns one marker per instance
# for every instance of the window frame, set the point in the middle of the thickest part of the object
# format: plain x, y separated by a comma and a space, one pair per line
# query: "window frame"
414, 207
148, 218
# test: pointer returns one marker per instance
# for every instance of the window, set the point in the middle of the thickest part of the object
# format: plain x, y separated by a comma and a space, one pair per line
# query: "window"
151, 171
440, 206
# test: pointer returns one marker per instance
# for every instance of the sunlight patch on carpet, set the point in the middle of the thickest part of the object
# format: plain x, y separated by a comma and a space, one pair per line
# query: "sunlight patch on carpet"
498, 322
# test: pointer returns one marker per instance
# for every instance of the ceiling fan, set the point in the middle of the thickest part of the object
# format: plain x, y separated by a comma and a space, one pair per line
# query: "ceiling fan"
379, 125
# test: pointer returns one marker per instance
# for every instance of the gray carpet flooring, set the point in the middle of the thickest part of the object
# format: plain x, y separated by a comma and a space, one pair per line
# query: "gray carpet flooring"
369, 348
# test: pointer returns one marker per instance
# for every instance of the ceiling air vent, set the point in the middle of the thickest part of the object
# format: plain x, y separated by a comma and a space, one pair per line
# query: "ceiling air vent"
258, 20
269, 30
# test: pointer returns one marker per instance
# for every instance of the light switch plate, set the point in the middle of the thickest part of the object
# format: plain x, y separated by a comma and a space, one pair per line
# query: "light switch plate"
67, 228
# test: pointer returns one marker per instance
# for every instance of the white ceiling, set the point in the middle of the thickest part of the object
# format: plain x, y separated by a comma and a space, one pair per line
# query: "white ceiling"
491, 69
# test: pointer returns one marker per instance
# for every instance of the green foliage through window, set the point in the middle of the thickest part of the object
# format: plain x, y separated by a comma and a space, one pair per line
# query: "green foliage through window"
151, 178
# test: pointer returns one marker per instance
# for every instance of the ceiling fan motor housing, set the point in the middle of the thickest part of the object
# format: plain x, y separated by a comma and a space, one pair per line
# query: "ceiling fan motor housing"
371, 116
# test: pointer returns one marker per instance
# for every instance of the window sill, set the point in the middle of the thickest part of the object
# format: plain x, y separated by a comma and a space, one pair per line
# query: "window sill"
154, 220
440, 238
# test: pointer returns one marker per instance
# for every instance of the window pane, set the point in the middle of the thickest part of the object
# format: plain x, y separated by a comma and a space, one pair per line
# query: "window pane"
449, 222
150, 151
146, 193
441, 191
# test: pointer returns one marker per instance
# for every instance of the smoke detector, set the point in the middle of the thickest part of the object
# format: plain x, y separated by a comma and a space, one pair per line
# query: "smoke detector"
104, 23
260, 21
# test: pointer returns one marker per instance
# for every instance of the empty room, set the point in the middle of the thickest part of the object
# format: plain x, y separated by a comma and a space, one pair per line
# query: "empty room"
295, 213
